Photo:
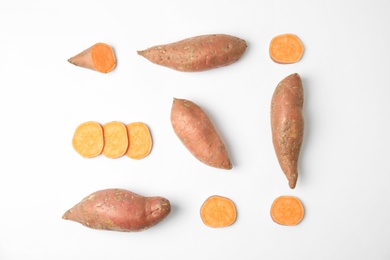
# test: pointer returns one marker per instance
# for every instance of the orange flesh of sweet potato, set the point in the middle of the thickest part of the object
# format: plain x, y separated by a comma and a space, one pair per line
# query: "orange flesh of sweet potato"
88, 139
99, 57
287, 210
140, 140
197, 53
119, 210
287, 125
218, 211
115, 139
286, 49
195, 130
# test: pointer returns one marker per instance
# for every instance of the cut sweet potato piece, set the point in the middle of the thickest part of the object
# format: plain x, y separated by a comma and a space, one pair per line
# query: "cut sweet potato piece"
286, 48
88, 139
99, 57
287, 210
218, 211
140, 140
115, 139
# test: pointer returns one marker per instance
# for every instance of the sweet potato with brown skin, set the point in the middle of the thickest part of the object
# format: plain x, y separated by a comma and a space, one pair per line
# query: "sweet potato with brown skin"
119, 210
197, 53
198, 134
287, 125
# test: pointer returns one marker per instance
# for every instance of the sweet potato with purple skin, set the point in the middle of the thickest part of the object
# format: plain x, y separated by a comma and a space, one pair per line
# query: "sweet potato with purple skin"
197, 53
119, 210
287, 125
196, 131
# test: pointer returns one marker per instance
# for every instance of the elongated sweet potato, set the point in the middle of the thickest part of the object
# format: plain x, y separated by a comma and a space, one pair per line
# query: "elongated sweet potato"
218, 211
287, 210
119, 210
287, 125
198, 134
115, 139
140, 140
99, 57
88, 139
197, 53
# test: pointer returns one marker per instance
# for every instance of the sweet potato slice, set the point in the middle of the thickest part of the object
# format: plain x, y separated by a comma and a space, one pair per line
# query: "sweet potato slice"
115, 139
140, 140
99, 57
286, 49
218, 211
287, 210
88, 139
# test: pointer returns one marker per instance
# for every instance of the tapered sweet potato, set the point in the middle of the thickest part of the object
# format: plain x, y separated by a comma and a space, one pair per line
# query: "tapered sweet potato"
218, 211
119, 210
198, 134
88, 139
287, 210
197, 53
287, 125
99, 57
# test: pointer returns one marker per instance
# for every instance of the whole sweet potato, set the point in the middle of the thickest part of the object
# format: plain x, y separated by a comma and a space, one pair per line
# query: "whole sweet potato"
287, 125
119, 210
197, 53
198, 134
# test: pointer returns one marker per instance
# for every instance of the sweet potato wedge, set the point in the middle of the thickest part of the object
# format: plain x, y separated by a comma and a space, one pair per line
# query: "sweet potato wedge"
99, 57
196, 131
140, 140
119, 210
88, 139
115, 139
287, 210
218, 211
287, 125
197, 53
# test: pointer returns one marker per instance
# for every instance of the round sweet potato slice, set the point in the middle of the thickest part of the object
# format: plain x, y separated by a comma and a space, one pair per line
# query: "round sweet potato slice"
115, 139
88, 139
140, 140
218, 211
287, 210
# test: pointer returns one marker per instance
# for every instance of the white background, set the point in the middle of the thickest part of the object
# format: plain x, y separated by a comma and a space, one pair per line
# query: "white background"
344, 164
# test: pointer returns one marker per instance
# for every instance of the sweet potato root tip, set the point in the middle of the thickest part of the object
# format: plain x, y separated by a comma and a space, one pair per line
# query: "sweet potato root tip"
88, 139
286, 49
140, 140
99, 57
197, 53
119, 210
115, 139
287, 124
218, 211
287, 210
195, 130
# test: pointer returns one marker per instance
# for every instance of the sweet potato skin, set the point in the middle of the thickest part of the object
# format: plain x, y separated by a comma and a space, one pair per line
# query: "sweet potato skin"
119, 210
197, 53
197, 133
287, 125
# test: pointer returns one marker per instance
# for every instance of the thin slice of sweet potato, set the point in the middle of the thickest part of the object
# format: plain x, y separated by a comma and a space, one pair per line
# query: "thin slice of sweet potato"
218, 211
115, 139
140, 140
287, 210
286, 49
88, 139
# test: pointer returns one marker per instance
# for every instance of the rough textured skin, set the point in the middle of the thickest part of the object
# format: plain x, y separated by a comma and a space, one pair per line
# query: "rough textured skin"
197, 53
119, 210
198, 134
287, 125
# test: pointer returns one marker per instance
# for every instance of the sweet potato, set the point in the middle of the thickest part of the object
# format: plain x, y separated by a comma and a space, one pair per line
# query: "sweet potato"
119, 210
88, 139
140, 140
287, 210
99, 57
115, 139
286, 48
218, 211
287, 125
197, 53
196, 131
